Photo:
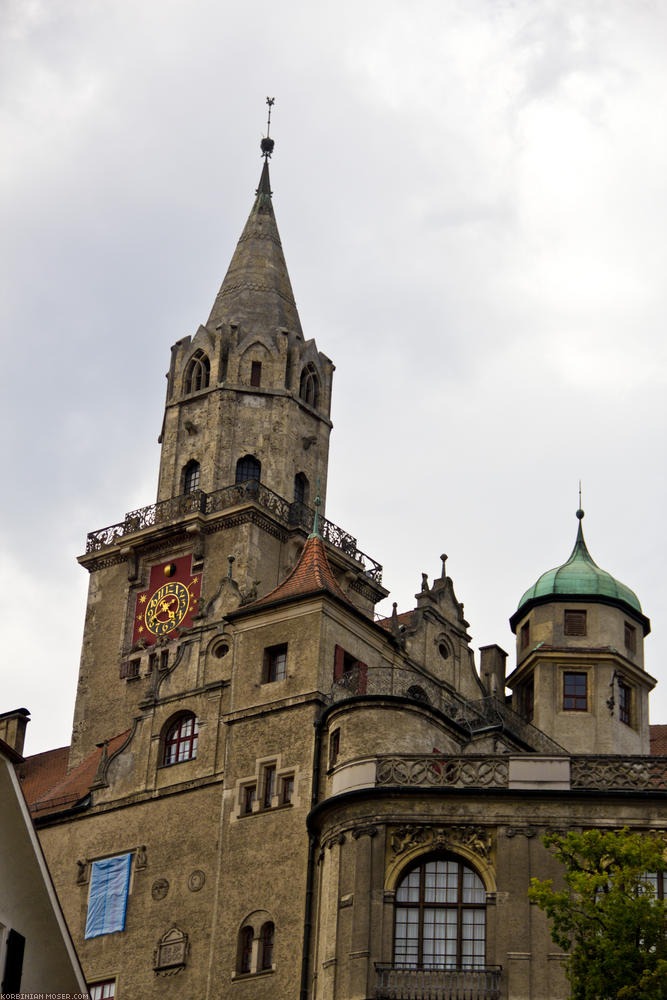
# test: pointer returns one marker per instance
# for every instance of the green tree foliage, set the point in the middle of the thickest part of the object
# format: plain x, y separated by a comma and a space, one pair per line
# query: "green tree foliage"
607, 915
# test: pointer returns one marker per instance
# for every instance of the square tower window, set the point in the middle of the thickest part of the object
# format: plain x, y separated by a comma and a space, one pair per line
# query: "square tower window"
630, 638
624, 702
575, 623
575, 697
275, 663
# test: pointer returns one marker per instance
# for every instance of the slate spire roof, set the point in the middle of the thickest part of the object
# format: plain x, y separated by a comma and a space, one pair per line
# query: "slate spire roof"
256, 292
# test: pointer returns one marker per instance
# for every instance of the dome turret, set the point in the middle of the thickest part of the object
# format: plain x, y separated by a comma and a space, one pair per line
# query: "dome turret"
580, 578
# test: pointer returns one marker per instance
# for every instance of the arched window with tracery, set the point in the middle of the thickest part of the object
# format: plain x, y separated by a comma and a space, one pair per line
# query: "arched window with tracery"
309, 386
181, 738
197, 373
248, 469
266, 942
191, 474
440, 916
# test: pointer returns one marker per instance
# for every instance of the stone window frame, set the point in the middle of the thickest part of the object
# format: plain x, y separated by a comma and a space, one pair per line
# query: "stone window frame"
421, 904
191, 480
630, 638
103, 989
248, 469
274, 667
625, 701
255, 785
524, 636
255, 374
188, 741
310, 385
256, 935
569, 691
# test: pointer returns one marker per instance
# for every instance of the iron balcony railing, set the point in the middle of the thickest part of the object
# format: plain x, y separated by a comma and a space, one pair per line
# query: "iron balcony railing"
293, 515
403, 982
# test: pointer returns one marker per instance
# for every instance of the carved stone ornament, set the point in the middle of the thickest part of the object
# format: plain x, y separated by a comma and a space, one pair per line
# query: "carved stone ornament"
196, 880
520, 831
142, 860
364, 831
82, 872
160, 888
338, 838
171, 953
475, 838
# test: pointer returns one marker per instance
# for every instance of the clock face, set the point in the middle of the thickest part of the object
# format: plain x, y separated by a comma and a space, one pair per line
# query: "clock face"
169, 603
167, 608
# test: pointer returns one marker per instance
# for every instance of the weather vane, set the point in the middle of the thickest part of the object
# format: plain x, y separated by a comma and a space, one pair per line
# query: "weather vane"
267, 143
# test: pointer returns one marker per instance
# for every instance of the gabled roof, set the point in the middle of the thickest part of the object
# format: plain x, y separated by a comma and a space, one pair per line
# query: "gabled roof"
256, 291
311, 575
76, 785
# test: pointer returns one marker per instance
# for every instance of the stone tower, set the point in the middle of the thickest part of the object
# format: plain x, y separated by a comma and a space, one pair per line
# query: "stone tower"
245, 442
580, 673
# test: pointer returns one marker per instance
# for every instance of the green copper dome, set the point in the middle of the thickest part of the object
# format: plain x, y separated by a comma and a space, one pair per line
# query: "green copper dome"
580, 577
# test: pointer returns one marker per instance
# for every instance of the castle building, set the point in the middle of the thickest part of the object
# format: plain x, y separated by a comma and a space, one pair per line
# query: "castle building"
272, 793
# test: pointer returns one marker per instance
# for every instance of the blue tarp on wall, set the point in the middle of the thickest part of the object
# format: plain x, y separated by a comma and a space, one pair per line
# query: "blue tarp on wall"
107, 899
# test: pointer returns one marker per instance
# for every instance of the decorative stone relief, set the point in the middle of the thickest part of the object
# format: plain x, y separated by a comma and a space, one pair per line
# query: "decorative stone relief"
475, 838
142, 860
196, 880
364, 831
160, 888
522, 831
170, 955
82, 872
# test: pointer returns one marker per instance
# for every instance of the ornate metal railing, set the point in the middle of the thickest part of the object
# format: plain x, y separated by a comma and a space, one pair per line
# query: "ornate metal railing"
491, 712
619, 773
482, 771
400, 982
291, 514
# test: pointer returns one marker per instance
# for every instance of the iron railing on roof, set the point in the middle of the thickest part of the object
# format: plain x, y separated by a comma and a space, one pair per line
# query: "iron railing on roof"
403, 982
290, 514
492, 713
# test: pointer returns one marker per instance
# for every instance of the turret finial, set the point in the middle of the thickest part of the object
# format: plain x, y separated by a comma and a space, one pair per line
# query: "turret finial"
267, 142
580, 512
315, 533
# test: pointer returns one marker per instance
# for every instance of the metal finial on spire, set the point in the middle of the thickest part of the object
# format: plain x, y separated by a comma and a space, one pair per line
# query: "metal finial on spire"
315, 533
580, 512
267, 142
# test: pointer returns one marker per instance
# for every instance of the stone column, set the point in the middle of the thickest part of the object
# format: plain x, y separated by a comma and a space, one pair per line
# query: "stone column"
360, 943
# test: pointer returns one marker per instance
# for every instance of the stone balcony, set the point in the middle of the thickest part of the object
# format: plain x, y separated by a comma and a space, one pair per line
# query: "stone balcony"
398, 982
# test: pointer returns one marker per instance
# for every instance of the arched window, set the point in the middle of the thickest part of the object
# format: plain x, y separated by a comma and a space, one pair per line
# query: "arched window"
309, 386
197, 373
266, 942
181, 738
245, 949
440, 916
248, 469
191, 477
301, 488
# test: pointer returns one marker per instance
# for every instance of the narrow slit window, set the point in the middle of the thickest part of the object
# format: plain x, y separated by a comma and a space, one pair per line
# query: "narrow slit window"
256, 373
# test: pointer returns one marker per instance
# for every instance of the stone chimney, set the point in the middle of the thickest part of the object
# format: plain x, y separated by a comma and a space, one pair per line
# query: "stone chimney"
12, 728
492, 669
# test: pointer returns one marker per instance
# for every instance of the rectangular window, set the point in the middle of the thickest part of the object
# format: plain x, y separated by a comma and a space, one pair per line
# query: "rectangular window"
256, 373
349, 671
152, 662
525, 635
103, 991
107, 897
575, 623
287, 790
528, 699
164, 659
248, 793
129, 669
630, 638
334, 747
574, 692
624, 698
269, 785
275, 663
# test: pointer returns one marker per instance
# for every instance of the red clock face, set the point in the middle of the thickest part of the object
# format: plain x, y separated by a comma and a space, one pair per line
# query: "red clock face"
169, 604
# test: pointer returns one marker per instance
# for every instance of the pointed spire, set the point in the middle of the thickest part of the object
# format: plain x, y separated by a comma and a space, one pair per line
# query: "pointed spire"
256, 292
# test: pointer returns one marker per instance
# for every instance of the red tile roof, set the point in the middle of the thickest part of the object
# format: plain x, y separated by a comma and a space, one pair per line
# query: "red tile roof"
76, 785
311, 575
658, 736
404, 618
41, 772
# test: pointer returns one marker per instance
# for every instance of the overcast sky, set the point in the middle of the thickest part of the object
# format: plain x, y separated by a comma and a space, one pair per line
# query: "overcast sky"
471, 199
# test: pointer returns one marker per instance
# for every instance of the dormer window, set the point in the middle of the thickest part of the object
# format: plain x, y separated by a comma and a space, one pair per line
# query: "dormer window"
197, 373
309, 386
